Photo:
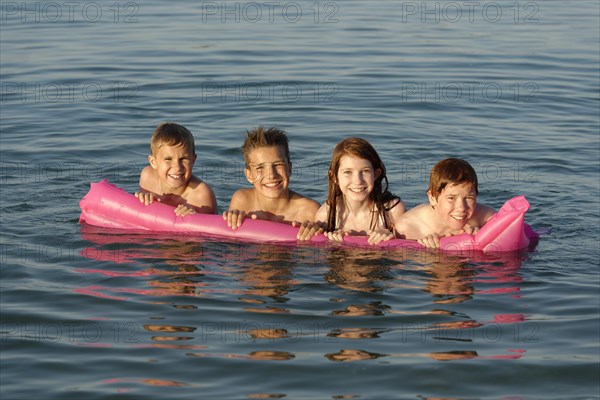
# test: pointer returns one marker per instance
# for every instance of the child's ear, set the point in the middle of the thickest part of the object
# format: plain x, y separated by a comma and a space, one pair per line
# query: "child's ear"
248, 175
195, 156
432, 200
152, 161
289, 169
377, 173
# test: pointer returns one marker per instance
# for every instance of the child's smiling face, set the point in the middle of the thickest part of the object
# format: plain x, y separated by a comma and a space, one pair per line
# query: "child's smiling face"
173, 165
269, 171
356, 178
455, 205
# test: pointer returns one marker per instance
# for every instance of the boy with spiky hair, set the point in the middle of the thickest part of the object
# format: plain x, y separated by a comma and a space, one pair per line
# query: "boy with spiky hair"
268, 168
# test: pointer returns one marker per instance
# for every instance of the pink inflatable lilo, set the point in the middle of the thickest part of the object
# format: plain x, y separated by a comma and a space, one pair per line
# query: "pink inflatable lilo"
108, 206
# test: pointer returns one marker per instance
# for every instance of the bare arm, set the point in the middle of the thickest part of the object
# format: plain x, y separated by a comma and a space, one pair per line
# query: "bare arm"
238, 207
306, 222
147, 182
147, 179
308, 209
203, 199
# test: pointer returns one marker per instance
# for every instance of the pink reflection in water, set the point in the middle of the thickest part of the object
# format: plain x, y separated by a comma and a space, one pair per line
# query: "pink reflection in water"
508, 318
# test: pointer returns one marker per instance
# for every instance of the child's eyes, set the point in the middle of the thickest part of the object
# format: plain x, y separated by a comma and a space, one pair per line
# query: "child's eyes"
274, 165
186, 159
453, 198
363, 172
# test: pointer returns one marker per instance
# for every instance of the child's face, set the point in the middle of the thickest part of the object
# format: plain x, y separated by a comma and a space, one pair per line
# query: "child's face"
455, 205
269, 171
173, 165
356, 178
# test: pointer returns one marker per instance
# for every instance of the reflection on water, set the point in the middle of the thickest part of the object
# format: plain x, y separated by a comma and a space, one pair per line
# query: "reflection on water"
269, 274
450, 282
153, 382
353, 355
169, 329
452, 278
271, 355
266, 395
453, 355
264, 275
263, 279
357, 269
375, 308
355, 333
268, 333
264, 355
350, 355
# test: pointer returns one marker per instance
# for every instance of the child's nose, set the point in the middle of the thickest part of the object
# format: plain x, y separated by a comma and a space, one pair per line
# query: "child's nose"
271, 171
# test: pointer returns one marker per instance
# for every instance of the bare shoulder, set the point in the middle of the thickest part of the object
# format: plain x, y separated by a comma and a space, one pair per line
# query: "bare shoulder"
307, 207
148, 179
483, 213
201, 195
398, 209
197, 185
322, 212
410, 224
304, 201
242, 199
417, 212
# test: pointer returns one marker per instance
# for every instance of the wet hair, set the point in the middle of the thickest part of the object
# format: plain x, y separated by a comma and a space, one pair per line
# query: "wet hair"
172, 134
380, 195
265, 137
451, 171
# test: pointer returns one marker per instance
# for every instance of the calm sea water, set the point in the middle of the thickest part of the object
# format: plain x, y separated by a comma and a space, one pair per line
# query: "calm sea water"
513, 87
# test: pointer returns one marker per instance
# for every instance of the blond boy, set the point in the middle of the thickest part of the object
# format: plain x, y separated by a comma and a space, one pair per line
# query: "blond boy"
268, 169
452, 208
169, 178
